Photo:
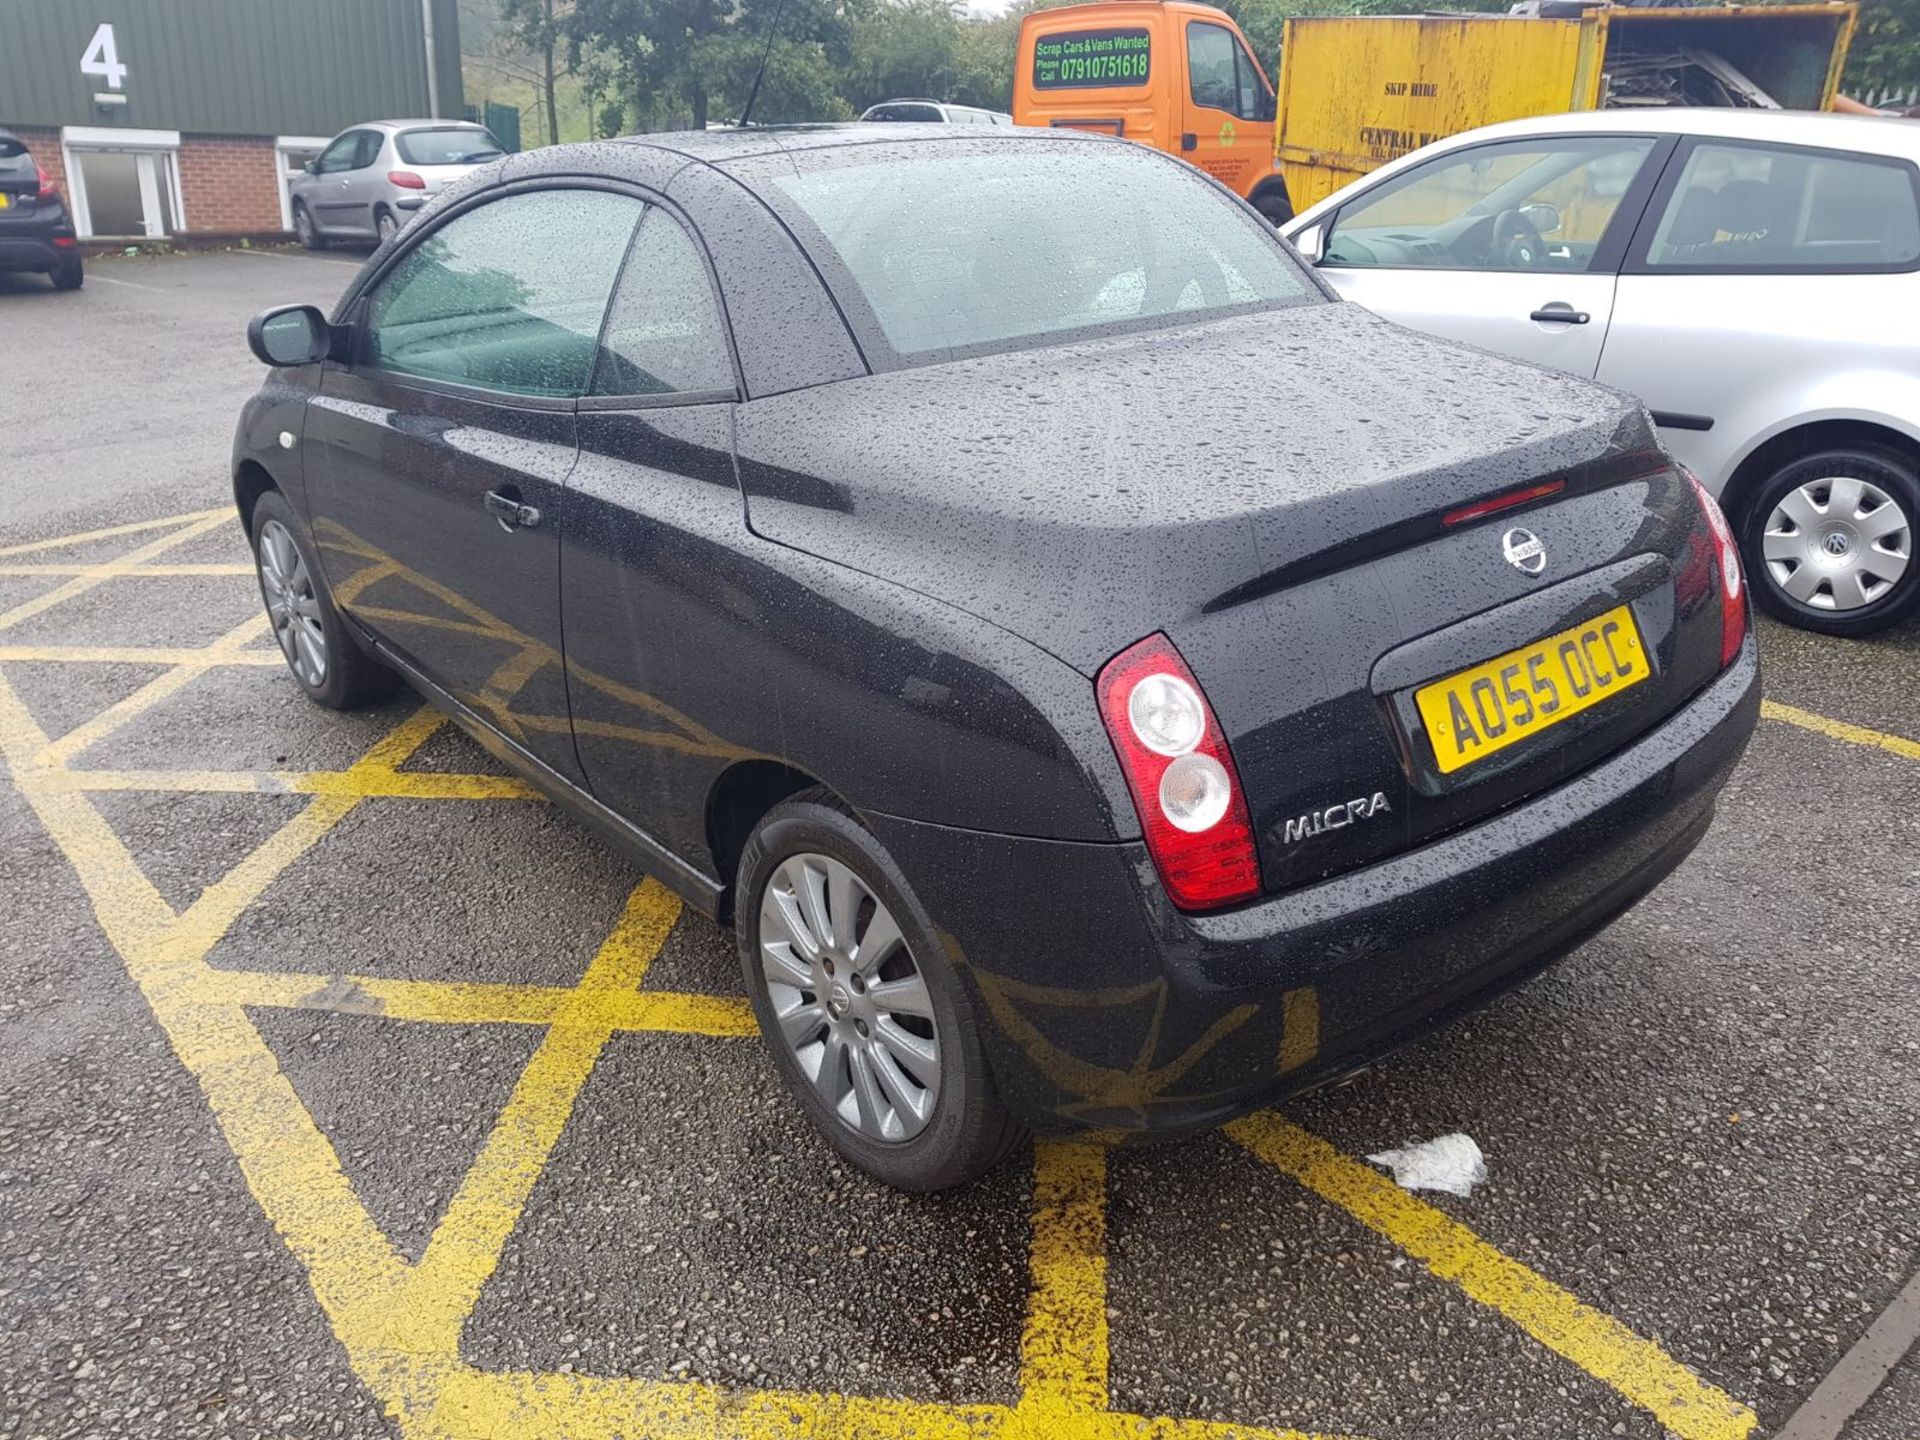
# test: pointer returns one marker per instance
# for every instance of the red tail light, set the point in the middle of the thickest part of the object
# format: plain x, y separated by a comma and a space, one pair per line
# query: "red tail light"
1733, 589
48, 191
406, 180
1181, 773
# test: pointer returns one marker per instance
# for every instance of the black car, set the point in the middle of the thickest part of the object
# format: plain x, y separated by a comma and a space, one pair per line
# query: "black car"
36, 232
1105, 680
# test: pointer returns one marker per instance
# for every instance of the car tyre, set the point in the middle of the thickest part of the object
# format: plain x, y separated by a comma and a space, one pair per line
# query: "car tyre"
1856, 497
1275, 207
68, 273
305, 229
385, 226
968, 1130
324, 659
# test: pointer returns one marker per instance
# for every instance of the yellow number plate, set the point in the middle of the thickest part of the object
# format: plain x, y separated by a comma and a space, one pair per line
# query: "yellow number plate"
5, 199
1483, 710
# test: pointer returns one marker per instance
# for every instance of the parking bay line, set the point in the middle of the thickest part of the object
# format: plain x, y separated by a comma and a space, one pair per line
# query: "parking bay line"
1596, 1342
1841, 730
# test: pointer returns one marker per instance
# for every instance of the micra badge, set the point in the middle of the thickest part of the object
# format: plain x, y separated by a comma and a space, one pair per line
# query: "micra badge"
1335, 817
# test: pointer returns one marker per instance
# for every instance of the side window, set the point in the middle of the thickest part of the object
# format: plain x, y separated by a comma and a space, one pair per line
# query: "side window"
1522, 205
1753, 207
1256, 100
340, 155
507, 297
370, 143
1210, 66
664, 334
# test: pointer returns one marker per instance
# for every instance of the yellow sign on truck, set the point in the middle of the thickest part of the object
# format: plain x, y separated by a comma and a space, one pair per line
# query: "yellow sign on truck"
1358, 91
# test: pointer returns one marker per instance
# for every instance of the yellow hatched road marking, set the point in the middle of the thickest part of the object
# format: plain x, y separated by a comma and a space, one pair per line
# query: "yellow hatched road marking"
391, 785
1597, 1343
1063, 1350
160, 688
400, 1323
100, 574
136, 527
1841, 730
157, 570
138, 655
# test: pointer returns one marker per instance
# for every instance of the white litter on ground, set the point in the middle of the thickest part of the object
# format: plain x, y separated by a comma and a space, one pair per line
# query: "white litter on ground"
1450, 1163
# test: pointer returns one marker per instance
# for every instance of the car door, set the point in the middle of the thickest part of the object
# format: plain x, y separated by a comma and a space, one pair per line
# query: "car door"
436, 458
656, 511
327, 195
360, 186
1228, 109
1756, 292
1513, 245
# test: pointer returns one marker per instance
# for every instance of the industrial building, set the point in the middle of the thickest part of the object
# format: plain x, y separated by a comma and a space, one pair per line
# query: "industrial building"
187, 117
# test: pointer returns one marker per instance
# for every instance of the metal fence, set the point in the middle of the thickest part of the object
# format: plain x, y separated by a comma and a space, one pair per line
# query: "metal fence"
1895, 99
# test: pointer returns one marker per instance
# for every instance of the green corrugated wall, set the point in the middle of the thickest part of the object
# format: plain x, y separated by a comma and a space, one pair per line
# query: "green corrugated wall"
233, 67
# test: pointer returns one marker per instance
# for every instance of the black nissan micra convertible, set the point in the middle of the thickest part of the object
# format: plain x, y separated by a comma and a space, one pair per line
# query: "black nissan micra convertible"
1105, 680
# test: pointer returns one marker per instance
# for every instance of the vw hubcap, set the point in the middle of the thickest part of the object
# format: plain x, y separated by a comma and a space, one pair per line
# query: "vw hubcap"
850, 1001
1837, 544
291, 605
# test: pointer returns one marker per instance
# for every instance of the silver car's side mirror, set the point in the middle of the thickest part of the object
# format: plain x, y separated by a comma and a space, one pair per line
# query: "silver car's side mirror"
1311, 243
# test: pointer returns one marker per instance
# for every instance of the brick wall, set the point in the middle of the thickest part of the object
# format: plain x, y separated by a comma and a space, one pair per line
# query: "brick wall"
44, 145
229, 183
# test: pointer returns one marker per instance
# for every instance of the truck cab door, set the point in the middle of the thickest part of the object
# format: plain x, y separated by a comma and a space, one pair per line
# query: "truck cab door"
1225, 107
1514, 246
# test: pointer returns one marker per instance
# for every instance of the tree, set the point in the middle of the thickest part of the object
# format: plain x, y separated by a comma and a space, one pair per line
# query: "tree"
686, 61
1886, 48
537, 26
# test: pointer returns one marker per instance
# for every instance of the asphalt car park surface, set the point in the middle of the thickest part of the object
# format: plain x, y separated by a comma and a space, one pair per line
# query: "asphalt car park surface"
345, 1089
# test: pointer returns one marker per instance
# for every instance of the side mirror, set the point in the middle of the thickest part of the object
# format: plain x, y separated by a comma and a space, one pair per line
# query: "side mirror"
312, 167
1311, 243
290, 335
1545, 218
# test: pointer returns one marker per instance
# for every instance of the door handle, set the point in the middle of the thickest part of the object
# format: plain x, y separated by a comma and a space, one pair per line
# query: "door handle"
511, 514
1559, 312
1189, 142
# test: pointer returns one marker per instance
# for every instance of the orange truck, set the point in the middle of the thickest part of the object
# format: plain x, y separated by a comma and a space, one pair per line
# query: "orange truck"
1177, 76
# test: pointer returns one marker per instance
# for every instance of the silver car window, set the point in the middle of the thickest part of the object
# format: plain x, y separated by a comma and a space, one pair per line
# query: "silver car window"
1539, 204
341, 155
1758, 207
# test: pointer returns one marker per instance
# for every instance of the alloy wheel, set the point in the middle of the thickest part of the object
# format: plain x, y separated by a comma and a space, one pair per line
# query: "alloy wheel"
1837, 543
292, 605
303, 225
851, 1002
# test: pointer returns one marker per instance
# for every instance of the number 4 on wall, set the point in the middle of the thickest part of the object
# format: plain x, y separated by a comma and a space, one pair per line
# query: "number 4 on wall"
100, 58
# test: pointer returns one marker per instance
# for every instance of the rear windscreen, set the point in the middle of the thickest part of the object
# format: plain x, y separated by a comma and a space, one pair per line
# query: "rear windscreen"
447, 147
969, 247
1081, 59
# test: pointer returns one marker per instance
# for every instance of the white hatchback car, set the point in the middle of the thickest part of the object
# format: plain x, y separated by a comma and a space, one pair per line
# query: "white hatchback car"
1753, 276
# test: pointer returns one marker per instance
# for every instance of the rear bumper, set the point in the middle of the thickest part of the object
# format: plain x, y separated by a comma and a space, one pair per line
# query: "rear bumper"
34, 250
1104, 1007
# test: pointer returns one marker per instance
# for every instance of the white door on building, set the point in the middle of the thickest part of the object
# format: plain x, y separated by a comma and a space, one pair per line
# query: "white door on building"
124, 182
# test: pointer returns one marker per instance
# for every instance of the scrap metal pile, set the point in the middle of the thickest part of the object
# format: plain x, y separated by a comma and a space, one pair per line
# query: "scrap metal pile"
1684, 76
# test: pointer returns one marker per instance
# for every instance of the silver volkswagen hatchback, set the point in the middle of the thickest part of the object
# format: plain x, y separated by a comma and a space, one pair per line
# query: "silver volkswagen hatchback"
1753, 276
369, 179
